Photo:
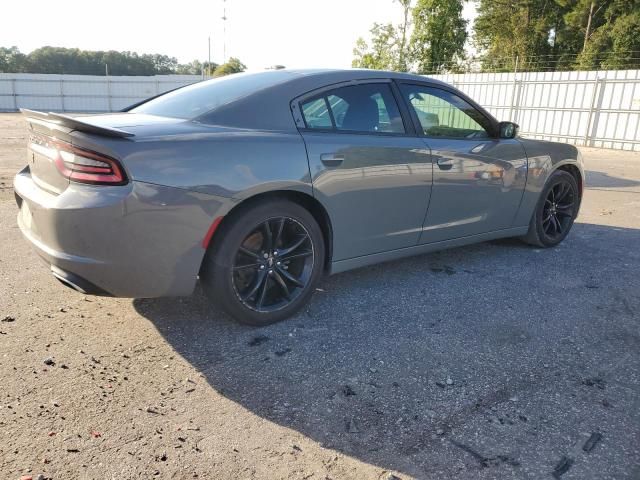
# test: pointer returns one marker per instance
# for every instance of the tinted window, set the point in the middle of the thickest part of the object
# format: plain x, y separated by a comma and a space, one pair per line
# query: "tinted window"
443, 114
316, 113
367, 108
197, 99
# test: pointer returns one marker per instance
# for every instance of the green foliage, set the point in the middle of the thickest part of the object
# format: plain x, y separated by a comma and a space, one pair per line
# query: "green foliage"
527, 29
384, 53
84, 62
232, 66
625, 43
613, 37
557, 35
403, 31
438, 37
193, 68
11, 60
439, 34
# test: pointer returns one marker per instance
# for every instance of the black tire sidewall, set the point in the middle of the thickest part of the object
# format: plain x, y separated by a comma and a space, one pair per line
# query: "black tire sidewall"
217, 275
554, 179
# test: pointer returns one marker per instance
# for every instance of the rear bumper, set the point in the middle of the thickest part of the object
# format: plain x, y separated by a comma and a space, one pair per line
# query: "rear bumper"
136, 240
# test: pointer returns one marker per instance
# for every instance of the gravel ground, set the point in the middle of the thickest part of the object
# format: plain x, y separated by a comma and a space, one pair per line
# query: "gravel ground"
491, 361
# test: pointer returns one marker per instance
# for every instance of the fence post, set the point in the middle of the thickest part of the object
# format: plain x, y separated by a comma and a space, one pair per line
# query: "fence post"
516, 103
62, 93
596, 113
591, 109
513, 92
109, 106
15, 95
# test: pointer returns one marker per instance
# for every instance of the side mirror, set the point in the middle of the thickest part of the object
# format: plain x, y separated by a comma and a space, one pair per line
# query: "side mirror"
508, 129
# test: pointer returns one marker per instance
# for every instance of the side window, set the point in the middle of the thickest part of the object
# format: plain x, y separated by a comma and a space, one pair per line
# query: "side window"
443, 114
316, 114
368, 108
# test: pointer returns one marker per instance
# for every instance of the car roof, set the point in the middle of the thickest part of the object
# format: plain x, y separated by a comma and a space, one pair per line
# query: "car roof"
273, 102
338, 75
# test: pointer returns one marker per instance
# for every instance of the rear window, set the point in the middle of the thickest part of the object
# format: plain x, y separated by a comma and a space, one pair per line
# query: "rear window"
194, 100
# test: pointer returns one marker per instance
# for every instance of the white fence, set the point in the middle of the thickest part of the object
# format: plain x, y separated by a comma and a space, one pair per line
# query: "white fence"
82, 93
596, 109
599, 109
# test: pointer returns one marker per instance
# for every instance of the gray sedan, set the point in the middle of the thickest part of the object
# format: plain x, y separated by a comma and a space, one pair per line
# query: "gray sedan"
258, 184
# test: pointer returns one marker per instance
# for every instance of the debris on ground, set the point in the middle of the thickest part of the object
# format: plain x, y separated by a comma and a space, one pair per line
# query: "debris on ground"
352, 427
595, 382
562, 467
347, 391
259, 340
592, 441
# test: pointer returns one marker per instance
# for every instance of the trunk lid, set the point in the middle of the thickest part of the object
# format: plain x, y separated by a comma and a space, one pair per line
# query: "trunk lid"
41, 154
96, 132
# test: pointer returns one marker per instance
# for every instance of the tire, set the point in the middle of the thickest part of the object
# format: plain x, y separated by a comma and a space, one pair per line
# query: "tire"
544, 231
236, 264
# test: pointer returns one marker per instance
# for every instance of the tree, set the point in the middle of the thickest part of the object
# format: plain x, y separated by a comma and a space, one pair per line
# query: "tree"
604, 33
530, 30
402, 48
232, 66
193, 68
86, 62
11, 60
439, 34
389, 48
384, 53
625, 43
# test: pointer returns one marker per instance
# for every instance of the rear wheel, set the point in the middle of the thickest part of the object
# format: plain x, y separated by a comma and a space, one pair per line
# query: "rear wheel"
556, 211
264, 266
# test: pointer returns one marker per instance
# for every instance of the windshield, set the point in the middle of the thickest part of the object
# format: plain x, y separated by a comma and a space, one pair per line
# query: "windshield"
194, 100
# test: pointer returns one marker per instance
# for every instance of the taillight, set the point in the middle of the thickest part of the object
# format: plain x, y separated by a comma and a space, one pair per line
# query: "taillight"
81, 165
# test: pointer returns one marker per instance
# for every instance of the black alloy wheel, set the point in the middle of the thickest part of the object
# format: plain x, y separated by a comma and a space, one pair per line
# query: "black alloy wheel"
555, 212
558, 211
264, 261
273, 264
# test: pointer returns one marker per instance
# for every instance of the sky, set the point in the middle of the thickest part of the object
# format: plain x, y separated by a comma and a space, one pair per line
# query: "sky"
261, 33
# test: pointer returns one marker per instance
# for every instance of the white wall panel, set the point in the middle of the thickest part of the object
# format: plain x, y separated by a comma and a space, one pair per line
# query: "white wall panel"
600, 109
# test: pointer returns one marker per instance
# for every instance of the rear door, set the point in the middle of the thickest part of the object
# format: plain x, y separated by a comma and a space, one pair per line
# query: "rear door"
478, 180
368, 167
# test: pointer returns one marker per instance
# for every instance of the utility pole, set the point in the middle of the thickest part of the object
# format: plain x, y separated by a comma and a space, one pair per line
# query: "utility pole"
224, 31
209, 58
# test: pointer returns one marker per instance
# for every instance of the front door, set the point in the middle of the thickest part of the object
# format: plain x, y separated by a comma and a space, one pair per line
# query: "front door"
371, 172
478, 180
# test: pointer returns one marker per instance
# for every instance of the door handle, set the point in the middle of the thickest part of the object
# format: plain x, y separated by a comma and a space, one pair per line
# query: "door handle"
331, 159
445, 163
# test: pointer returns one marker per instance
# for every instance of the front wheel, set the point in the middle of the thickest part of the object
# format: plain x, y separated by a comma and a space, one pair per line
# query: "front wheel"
555, 212
266, 263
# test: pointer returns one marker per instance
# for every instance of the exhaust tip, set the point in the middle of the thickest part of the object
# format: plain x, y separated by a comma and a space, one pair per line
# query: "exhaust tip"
77, 283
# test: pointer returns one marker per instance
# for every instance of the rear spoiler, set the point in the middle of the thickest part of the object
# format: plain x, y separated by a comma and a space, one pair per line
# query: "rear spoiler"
75, 123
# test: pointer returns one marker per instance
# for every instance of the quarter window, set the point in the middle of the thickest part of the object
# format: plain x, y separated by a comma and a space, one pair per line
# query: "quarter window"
369, 108
443, 114
316, 113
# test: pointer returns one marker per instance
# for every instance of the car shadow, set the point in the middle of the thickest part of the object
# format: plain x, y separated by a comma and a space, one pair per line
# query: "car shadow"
595, 179
399, 364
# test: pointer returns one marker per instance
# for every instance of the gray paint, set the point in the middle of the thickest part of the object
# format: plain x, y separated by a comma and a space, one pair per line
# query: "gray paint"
377, 196
387, 199
139, 240
478, 185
